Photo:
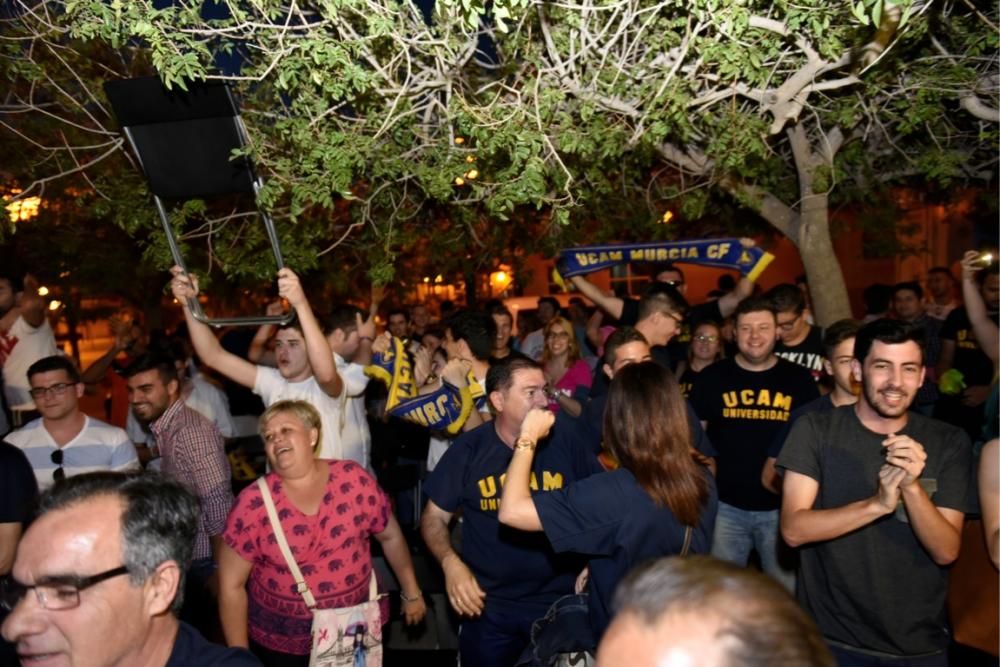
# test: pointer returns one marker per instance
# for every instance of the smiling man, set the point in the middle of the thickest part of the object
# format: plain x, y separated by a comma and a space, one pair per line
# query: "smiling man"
192, 451
877, 495
744, 401
65, 441
99, 574
306, 367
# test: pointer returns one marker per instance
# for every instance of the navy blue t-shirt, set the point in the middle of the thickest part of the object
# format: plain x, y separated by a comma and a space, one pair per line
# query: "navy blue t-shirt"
193, 650
744, 411
514, 567
611, 519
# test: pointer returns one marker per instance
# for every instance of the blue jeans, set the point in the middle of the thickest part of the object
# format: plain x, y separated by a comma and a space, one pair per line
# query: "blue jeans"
738, 531
497, 638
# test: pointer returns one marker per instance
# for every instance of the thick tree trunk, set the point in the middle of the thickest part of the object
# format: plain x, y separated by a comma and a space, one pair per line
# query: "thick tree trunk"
826, 279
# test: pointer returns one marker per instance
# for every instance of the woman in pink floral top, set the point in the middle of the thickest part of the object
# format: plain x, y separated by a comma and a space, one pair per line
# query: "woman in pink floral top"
328, 510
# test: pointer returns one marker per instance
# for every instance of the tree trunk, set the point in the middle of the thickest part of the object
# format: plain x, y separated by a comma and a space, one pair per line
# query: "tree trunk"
826, 279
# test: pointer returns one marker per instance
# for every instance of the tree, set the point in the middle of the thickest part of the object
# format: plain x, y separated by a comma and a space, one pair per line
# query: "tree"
536, 124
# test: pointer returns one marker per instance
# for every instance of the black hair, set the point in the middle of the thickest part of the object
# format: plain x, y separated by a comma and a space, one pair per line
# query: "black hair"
877, 297
657, 268
16, 281
552, 301
909, 285
159, 523
621, 336
157, 361
56, 362
890, 332
786, 297
500, 377
343, 317
837, 333
478, 330
755, 304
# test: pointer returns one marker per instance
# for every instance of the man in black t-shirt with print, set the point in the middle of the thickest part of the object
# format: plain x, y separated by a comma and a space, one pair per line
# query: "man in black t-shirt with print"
798, 340
876, 496
744, 401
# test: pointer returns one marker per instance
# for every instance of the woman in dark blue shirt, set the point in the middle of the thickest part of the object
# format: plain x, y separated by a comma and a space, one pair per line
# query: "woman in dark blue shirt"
659, 500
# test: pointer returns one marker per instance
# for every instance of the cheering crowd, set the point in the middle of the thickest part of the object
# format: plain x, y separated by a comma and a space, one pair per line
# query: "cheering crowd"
812, 484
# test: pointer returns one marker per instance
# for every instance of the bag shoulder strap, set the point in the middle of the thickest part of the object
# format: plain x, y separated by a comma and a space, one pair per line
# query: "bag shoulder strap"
687, 540
279, 534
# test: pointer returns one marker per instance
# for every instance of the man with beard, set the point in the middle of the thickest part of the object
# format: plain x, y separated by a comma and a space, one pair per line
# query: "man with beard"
744, 401
193, 453
877, 495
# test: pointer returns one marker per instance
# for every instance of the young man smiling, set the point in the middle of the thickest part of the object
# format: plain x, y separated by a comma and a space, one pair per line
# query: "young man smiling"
876, 496
306, 366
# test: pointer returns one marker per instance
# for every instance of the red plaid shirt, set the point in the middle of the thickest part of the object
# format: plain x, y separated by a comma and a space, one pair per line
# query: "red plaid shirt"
193, 453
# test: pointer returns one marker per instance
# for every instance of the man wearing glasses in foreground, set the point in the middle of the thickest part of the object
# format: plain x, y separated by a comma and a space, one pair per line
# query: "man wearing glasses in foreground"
99, 574
65, 441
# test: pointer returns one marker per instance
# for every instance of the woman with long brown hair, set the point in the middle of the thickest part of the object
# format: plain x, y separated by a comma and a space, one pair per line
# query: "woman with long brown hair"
660, 501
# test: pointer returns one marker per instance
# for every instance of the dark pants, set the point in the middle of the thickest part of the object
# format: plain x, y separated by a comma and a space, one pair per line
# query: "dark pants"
271, 658
847, 658
497, 638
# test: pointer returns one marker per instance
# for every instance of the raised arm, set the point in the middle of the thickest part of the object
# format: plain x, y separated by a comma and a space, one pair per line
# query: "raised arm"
517, 508
29, 305
612, 305
185, 286
464, 592
317, 348
258, 352
743, 289
984, 329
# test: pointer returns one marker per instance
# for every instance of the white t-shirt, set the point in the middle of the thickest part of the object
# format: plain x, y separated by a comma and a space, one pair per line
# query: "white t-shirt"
20, 347
355, 436
203, 397
271, 387
98, 446
534, 344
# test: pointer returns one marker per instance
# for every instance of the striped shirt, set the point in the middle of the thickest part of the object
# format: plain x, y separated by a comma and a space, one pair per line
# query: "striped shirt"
193, 453
98, 446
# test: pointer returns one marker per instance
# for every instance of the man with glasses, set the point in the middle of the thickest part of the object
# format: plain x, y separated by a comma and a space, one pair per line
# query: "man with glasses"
798, 340
99, 576
64, 441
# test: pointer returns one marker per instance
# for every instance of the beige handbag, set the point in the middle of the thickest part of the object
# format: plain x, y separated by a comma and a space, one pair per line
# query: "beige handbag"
347, 637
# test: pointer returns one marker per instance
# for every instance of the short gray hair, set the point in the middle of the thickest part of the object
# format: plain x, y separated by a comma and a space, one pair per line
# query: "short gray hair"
159, 522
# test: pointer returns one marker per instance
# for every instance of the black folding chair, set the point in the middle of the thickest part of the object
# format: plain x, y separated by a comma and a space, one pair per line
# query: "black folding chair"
184, 141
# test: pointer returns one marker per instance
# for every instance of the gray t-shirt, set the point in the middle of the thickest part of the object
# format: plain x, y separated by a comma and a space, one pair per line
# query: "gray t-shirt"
876, 588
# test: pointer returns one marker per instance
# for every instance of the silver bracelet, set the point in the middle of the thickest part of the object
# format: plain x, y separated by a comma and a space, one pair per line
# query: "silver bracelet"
402, 596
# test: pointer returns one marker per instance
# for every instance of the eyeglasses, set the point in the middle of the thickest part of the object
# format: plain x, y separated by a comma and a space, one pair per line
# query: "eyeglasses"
673, 283
702, 338
57, 457
790, 324
58, 389
676, 318
561, 335
54, 593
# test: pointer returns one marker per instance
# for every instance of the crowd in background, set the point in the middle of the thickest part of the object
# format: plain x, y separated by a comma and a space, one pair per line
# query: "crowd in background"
596, 433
